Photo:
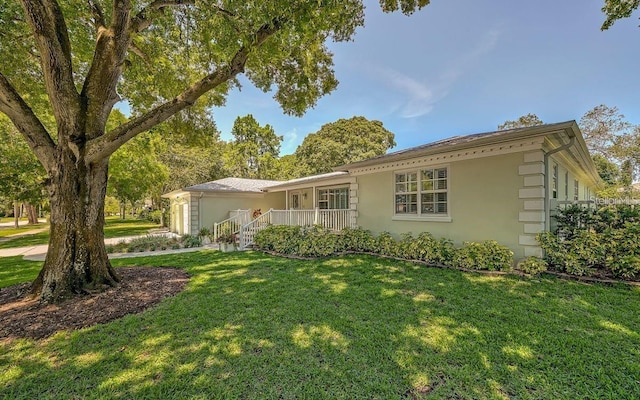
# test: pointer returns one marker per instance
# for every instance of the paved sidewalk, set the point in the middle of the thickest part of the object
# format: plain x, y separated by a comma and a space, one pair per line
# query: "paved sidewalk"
39, 252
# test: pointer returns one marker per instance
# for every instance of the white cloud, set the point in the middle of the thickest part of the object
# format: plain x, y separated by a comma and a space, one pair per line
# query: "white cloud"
418, 97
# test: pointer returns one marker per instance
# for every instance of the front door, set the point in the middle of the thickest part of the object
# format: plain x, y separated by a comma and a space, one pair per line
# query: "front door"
295, 200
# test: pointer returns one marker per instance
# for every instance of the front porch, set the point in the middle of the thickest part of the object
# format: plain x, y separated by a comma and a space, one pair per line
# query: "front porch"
243, 225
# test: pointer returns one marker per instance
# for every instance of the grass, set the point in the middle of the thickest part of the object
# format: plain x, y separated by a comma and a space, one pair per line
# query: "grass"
258, 327
7, 231
114, 227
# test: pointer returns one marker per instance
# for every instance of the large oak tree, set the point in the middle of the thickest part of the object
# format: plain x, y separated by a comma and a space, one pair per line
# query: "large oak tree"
74, 60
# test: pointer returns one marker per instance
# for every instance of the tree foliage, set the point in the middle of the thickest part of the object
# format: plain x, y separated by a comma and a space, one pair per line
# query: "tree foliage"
72, 61
343, 142
21, 174
522, 122
618, 9
254, 150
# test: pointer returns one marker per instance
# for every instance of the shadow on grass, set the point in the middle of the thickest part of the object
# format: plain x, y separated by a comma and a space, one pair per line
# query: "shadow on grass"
254, 326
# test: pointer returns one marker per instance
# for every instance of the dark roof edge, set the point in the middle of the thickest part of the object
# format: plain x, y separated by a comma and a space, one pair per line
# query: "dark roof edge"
436, 147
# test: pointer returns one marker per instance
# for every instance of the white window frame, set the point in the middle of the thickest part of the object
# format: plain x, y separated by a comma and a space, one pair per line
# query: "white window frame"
576, 190
566, 185
328, 188
418, 215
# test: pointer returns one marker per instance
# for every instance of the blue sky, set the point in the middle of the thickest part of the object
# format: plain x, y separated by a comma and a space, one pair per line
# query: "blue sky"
465, 66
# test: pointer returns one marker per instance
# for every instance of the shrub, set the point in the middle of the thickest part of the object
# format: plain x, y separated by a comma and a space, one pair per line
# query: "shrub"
532, 265
487, 255
385, 245
204, 232
189, 241
317, 242
282, 239
356, 239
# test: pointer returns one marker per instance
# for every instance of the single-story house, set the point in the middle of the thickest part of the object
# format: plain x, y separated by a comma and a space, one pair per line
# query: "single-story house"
502, 185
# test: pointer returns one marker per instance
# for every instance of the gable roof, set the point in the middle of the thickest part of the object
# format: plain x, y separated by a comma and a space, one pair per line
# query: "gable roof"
460, 142
232, 185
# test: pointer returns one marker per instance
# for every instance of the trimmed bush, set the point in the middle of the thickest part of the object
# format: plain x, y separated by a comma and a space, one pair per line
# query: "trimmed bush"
386, 245
282, 239
487, 255
532, 265
356, 239
317, 242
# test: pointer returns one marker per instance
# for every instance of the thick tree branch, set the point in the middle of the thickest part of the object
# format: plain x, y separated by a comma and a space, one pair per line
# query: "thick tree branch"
23, 117
47, 23
99, 89
98, 15
105, 145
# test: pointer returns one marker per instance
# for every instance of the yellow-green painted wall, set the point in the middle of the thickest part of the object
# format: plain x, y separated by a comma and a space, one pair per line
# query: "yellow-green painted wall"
483, 202
215, 208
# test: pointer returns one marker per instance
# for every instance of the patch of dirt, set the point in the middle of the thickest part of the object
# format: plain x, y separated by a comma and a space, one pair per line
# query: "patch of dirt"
139, 289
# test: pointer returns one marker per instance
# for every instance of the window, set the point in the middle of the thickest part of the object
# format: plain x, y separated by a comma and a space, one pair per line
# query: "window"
427, 188
407, 193
576, 189
333, 199
554, 182
566, 186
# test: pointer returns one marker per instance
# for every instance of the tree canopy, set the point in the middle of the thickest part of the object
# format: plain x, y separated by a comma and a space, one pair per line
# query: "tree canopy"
72, 61
618, 9
254, 149
341, 142
523, 121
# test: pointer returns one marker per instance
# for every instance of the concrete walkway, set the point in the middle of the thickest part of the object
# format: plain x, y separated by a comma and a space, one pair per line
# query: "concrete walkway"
39, 252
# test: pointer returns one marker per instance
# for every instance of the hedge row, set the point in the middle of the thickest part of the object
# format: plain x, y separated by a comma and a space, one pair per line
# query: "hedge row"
317, 242
602, 241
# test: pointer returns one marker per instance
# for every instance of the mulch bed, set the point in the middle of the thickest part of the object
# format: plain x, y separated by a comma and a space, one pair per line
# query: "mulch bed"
140, 288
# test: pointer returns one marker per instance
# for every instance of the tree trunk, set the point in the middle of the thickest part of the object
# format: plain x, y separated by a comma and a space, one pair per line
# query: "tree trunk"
16, 214
32, 214
76, 260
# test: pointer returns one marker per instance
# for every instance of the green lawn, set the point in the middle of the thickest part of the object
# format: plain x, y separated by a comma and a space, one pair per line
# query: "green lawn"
114, 227
253, 326
7, 231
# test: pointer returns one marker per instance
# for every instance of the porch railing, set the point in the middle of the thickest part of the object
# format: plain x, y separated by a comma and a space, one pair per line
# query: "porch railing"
249, 230
333, 220
231, 225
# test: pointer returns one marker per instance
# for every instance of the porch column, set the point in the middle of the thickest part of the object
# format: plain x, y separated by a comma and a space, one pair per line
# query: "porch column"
313, 196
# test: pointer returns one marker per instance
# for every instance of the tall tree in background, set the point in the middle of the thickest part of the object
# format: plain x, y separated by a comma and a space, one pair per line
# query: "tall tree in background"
522, 122
254, 149
76, 59
602, 127
136, 172
343, 142
618, 9
21, 174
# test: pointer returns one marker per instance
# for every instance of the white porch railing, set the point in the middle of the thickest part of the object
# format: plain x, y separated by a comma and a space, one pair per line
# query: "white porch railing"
333, 220
233, 224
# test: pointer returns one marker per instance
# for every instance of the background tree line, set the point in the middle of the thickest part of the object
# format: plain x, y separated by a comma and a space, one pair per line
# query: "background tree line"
614, 144
187, 150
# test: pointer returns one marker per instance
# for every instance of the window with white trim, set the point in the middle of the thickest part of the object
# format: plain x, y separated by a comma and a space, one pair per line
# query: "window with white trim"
423, 192
407, 193
576, 189
333, 198
566, 185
